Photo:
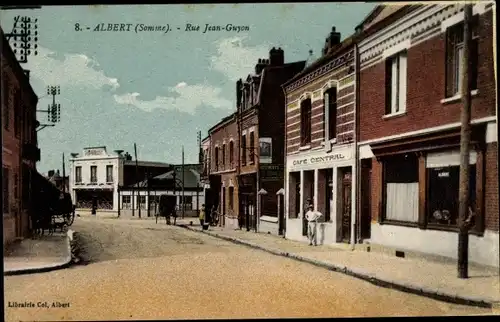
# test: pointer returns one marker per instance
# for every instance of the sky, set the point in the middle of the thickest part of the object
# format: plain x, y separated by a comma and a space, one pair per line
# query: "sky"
155, 88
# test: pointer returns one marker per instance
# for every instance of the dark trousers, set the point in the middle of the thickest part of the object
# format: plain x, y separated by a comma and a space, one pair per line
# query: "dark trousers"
201, 222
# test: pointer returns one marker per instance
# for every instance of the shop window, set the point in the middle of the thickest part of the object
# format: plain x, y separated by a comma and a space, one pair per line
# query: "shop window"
454, 56
401, 188
442, 201
126, 201
305, 122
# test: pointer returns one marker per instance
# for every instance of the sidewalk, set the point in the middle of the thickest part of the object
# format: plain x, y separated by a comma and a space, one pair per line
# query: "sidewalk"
428, 278
38, 254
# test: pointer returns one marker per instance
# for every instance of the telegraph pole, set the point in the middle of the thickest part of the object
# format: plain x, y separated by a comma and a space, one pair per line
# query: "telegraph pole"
137, 178
183, 204
63, 174
465, 134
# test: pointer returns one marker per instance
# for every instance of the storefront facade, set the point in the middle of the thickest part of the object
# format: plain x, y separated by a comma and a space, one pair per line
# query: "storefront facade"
320, 144
409, 144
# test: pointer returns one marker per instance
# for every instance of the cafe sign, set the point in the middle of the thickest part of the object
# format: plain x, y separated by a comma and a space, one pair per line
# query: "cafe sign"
95, 152
322, 159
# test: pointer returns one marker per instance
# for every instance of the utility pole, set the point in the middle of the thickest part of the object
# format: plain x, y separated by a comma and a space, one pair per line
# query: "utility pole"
149, 193
465, 134
137, 178
183, 206
53, 110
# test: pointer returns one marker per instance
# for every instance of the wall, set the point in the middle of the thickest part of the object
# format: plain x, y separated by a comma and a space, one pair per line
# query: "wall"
223, 134
424, 90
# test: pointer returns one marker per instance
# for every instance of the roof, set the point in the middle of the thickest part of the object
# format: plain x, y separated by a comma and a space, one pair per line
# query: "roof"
191, 177
349, 41
146, 163
222, 122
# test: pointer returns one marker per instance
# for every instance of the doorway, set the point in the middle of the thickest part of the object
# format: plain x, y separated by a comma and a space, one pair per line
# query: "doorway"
365, 219
307, 197
223, 206
345, 203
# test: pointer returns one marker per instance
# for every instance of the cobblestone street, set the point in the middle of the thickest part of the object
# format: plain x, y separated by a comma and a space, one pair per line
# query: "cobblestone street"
136, 269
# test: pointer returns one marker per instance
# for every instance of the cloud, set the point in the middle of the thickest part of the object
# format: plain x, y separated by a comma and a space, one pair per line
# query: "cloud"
235, 60
73, 70
185, 98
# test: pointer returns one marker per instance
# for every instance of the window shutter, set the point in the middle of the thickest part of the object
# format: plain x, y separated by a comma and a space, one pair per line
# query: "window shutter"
388, 85
474, 61
449, 55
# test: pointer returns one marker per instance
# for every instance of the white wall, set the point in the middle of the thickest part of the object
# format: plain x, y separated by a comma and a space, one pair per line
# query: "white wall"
482, 250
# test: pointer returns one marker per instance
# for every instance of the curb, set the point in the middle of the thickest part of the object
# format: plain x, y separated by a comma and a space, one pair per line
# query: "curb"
400, 286
65, 264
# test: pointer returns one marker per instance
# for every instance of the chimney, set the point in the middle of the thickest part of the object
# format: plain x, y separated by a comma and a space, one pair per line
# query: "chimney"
238, 93
260, 66
51, 173
276, 57
331, 41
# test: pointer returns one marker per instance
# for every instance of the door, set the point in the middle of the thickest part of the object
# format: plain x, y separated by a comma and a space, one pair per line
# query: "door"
223, 206
346, 205
365, 198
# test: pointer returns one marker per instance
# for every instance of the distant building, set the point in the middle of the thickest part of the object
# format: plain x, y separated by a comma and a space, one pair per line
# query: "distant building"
145, 194
61, 183
99, 174
19, 145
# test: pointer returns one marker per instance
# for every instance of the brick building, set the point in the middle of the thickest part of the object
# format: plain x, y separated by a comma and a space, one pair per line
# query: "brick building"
247, 148
19, 145
410, 129
320, 150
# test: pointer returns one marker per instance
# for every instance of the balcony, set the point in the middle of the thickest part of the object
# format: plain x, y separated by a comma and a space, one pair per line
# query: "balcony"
31, 152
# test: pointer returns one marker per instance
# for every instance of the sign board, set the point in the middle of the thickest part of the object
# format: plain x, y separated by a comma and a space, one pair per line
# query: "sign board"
265, 150
271, 172
94, 151
322, 159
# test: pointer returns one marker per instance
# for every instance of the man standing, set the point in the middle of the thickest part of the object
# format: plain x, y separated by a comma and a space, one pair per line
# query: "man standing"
312, 220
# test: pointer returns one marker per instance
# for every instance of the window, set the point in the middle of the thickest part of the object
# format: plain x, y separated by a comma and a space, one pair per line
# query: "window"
17, 113
142, 202
126, 201
395, 86
16, 186
188, 203
216, 158
231, 154
5, 100
223, 155
401, 188
305, 122
442, 204
330, 114
454, 56
109, 173
78, 174
5, 189
93, 174
243, 149
252, 147
205, 161
231, 198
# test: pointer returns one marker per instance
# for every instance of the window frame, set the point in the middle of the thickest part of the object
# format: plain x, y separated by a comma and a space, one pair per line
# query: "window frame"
244, 149
78, 174
223, 155
108, 174
216, 157
231, 153
305, 122
329, 106
251, 147
91, 174
396, 65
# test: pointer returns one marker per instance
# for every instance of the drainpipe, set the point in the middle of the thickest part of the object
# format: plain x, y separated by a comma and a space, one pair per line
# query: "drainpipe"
356, 177
285, 175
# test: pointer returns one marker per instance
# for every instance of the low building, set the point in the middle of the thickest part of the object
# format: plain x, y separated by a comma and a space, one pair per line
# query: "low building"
20, 150
99, 175
410, 105
320, 144
145, 195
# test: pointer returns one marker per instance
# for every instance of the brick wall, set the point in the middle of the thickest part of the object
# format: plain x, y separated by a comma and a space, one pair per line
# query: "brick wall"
426, 89
491, 187
223, 134
344, 131
226, 179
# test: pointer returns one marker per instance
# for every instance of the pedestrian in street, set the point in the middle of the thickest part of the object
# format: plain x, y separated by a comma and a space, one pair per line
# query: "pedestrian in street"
312, 217
202, 215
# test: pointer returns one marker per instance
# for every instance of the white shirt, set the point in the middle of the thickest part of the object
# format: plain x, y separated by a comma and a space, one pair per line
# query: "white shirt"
312, 215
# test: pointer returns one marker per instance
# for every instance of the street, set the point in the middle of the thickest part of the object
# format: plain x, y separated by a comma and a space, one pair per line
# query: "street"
135, 269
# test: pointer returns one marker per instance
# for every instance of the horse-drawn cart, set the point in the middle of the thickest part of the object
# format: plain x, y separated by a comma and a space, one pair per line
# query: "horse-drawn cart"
52, 208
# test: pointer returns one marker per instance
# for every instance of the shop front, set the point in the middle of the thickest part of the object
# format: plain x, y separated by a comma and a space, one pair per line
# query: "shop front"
326, 180
416, 189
